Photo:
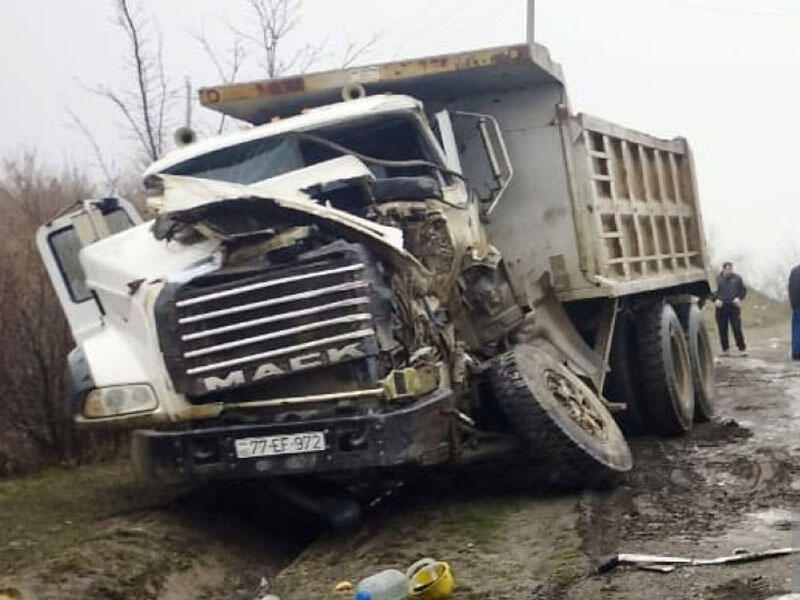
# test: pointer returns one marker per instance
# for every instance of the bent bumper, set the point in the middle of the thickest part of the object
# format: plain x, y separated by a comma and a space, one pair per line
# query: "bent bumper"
416, 434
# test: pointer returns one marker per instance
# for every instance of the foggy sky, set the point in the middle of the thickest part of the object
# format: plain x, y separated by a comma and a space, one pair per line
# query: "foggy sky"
723, 73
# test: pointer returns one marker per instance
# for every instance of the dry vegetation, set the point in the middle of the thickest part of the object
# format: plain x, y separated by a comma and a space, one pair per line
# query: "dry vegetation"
36, 427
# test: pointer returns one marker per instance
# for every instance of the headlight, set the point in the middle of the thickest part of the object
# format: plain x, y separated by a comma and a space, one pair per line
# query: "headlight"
119, 400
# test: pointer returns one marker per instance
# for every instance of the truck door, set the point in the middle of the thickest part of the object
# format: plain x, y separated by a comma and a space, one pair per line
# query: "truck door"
59, 243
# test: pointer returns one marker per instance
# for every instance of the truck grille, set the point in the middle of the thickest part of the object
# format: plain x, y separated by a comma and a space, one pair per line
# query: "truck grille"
231, 329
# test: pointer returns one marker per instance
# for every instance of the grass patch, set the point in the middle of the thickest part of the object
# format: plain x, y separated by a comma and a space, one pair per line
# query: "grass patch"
480, 522
565, 561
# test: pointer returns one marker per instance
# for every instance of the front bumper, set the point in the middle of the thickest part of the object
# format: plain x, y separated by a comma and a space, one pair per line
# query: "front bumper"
415, 434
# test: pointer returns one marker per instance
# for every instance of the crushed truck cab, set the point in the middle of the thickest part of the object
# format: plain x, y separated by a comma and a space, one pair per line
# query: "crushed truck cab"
396, 266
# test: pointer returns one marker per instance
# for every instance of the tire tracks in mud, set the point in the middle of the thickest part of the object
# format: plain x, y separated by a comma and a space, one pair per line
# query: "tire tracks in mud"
732, 482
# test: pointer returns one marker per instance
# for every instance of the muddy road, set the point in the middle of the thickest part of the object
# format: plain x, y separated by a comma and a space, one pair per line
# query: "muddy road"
96, 533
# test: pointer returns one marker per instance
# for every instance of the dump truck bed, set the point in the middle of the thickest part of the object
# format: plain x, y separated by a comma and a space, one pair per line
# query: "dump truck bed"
602, 210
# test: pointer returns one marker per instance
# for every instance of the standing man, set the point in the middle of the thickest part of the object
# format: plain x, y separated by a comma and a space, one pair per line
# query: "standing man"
728, 300
794, 299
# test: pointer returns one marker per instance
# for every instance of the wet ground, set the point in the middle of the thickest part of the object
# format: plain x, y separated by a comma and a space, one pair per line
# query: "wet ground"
731, 484
95, 533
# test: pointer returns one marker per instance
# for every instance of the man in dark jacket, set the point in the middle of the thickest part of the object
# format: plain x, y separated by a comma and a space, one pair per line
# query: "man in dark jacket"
728, 300
794, 300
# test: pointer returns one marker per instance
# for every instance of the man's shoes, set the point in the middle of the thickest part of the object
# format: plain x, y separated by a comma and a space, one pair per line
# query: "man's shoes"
725, 353
742, 352
795, 356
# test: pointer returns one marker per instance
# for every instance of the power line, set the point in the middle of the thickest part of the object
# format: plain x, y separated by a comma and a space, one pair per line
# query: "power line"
484, 19
439, 21
729, 9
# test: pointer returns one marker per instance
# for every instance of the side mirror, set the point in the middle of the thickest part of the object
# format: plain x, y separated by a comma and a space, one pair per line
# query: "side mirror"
494, 155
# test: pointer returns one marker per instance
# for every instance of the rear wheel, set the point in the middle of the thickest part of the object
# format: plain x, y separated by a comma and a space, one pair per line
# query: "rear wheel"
621, 383
691, 317
565, 426
665, 370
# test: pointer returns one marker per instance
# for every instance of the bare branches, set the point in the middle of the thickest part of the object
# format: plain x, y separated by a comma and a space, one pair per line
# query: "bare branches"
106, 166
36, 422
227, 68
272, 24
274, 20
142, 66
354, 50
145, 103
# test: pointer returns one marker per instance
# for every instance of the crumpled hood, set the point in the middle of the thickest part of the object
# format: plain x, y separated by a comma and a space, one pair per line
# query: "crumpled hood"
184, 196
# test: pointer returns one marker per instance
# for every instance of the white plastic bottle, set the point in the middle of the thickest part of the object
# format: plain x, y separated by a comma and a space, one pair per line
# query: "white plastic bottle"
386, 585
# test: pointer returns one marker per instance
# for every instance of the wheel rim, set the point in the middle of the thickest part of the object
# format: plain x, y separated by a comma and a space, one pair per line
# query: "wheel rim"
681, 368
579, 406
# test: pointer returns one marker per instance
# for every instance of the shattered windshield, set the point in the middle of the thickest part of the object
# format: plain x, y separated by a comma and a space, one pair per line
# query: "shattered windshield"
385, 137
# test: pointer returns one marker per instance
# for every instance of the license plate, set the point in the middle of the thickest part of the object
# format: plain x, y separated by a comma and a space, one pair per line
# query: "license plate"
274, 445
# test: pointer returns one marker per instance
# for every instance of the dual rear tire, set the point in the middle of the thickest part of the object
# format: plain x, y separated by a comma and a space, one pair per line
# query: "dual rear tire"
702, 360
662, 368
665, 370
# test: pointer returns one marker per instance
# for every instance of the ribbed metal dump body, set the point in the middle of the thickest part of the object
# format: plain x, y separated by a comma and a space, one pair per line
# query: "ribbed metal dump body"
236, 328
642, 204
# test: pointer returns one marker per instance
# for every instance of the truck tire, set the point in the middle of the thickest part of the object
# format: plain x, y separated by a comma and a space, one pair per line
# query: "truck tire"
621, 382
691, 317
665, 370
567, 430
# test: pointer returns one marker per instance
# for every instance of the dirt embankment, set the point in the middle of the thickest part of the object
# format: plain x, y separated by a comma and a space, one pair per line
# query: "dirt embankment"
96, 533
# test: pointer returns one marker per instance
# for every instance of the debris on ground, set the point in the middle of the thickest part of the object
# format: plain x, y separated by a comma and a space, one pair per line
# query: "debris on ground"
389, 584
429, 579
343, 587
667, 564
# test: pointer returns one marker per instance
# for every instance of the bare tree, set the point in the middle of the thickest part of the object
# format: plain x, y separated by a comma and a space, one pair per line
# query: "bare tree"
227, 67
147, 102
274, 21
353, 51
107, 166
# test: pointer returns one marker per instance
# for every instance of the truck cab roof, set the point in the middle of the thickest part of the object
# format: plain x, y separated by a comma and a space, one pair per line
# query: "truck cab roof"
309, 119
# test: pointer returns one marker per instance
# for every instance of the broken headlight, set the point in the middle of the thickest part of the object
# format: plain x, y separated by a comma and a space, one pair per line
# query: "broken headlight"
119, 400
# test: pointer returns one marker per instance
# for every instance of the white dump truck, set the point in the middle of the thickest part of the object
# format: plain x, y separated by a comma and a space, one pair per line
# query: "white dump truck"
414, 264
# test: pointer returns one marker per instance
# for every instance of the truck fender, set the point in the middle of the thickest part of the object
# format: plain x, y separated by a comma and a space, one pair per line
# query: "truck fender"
550, 321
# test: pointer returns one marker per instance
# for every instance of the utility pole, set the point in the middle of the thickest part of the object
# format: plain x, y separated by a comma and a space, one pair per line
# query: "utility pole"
188, 102
531, 4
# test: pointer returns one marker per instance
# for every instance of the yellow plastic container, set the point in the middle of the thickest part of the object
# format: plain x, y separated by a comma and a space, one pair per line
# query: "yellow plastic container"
429, 579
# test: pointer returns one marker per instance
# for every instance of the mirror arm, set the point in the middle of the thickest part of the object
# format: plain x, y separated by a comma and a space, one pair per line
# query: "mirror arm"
483, 130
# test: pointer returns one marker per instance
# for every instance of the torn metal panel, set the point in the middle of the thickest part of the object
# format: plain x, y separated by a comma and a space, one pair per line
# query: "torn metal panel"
184, 194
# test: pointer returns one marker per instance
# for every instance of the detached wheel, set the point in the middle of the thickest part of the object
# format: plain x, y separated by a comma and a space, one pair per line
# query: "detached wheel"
564, 424
691, 317
665, 370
